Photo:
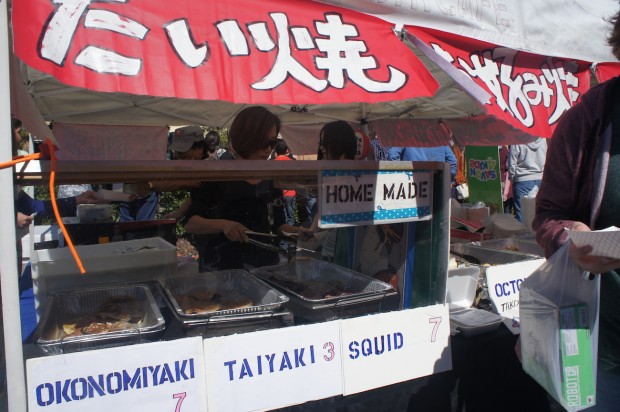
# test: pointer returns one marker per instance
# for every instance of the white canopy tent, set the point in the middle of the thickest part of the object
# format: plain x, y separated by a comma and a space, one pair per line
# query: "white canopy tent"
575, 29
522, 25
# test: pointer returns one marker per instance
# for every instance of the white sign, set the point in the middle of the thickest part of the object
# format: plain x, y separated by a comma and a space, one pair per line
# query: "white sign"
504, 282
362, 197
160, 376
393, 347
273, 368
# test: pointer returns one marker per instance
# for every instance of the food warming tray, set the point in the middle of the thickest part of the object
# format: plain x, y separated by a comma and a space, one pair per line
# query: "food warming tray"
227, 284
362, 294
229, 325
65, 307
479, 255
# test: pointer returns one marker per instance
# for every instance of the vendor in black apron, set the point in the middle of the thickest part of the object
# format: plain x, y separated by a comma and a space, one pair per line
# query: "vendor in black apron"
222, 213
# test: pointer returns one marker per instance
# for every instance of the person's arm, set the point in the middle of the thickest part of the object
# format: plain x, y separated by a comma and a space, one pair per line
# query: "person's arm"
451, 158
180, 212
512, 162
234, 231
199, 221
559, 195
27, 205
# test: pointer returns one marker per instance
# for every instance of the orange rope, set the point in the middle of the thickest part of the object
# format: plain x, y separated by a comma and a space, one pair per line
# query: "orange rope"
20, 159
76, 257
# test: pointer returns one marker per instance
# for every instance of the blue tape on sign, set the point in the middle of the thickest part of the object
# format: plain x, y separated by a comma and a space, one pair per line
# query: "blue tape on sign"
380, 214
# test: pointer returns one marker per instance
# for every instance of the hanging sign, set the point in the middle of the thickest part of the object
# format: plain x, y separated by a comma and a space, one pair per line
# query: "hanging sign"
504, 289
271, 369
530, 91
483, 176
393, 347
259, 52
158, 377
363, 197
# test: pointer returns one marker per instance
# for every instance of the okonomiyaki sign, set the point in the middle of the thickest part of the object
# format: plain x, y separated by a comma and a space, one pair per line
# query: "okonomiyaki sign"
362, 197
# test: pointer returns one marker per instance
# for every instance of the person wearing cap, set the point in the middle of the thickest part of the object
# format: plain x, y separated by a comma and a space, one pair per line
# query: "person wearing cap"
189, 143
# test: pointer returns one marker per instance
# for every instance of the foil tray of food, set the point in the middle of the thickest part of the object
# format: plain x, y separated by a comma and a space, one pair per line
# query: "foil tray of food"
321, 290
484, 256
220, 296
230, 325
99, 317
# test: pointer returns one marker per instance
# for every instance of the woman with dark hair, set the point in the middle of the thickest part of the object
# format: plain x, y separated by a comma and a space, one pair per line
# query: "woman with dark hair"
337, 141
222, 213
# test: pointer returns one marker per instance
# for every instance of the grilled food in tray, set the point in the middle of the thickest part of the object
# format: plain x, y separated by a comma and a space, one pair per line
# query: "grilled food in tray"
222, 293
99, 317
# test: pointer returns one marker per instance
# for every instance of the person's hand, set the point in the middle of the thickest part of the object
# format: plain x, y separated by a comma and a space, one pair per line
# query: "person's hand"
304, 233
89, 197
176, 215
587, 262
23, 221
234, 231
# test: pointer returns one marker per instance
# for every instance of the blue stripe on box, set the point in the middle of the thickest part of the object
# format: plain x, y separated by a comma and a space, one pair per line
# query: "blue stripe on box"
392, 214
330, 173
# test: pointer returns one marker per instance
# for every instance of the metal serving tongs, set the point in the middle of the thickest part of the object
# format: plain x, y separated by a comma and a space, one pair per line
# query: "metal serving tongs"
267, 246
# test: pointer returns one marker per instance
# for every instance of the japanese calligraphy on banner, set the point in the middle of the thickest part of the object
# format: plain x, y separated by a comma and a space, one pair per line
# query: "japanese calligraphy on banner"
362, 197
272, 51
160, 376
530, 91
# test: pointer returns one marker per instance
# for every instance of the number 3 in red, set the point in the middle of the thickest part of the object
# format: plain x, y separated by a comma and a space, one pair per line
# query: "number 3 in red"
330, 350
180, 397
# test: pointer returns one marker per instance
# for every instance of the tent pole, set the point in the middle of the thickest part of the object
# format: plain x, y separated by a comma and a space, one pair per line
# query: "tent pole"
13, 351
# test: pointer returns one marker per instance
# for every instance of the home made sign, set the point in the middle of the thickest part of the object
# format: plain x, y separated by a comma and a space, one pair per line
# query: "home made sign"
363, 197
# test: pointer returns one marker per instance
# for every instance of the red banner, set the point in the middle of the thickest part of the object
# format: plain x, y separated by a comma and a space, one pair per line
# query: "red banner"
269, 51
605, 71
530, 92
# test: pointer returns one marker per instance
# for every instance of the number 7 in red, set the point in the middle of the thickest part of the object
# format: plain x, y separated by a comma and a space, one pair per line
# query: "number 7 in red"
180, 397
436, 320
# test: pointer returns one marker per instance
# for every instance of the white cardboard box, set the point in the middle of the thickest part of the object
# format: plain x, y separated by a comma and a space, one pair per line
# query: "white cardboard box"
118, 262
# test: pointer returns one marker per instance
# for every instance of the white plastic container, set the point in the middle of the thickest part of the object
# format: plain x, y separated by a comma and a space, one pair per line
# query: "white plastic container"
124, 262
461, 287
460, 294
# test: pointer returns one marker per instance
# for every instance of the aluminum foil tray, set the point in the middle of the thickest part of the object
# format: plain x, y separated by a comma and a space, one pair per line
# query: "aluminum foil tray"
66, 308
309, 284
514, 244
484, 256
228, 286
229, 325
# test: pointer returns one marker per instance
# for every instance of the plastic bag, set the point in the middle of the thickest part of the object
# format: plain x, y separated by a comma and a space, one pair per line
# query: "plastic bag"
559, 330
462, 191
